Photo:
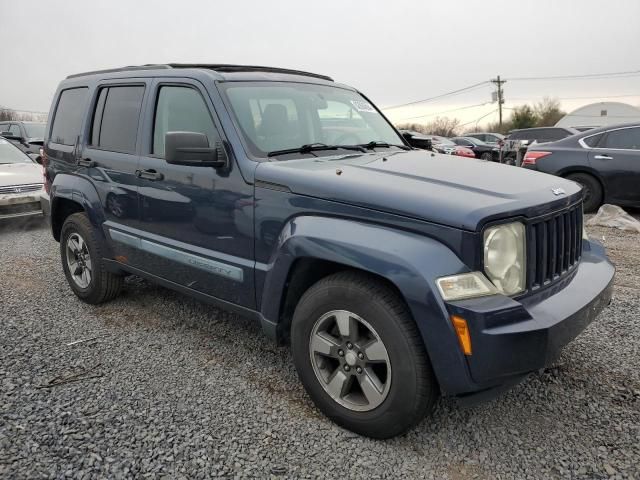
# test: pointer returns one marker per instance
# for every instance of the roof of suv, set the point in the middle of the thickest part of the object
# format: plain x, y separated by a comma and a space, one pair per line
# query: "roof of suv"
225, 71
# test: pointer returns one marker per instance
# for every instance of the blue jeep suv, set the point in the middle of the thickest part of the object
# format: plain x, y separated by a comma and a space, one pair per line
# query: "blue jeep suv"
395, 274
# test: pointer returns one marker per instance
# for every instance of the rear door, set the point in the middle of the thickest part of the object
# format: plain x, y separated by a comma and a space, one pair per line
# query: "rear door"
110, 156
617, 158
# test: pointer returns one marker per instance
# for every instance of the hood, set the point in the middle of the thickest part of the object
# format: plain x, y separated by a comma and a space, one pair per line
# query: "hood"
20, 174
445, 189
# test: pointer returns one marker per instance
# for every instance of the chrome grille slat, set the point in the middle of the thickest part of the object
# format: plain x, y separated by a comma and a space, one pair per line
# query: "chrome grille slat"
14, 189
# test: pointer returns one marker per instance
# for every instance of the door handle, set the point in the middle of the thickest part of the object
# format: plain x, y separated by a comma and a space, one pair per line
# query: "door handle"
149, 175
86, 162
603, 157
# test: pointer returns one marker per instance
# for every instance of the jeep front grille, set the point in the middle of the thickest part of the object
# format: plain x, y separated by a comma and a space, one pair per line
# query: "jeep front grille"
554, 247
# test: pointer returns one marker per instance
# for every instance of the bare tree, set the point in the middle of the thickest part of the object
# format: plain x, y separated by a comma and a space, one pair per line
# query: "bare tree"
548, 112
8, 114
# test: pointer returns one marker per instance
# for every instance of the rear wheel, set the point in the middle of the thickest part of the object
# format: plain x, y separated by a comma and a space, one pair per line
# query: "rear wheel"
360, 356
486, 156
592, 190
82, 262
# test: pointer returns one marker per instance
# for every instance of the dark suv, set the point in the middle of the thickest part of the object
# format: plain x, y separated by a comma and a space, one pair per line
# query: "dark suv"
515, 145
27, 136
395, 274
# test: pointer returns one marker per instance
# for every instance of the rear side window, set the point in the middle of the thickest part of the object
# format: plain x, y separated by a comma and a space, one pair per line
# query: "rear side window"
69, 114
555, 134
181, 109
626, 139
593, 140
115, 121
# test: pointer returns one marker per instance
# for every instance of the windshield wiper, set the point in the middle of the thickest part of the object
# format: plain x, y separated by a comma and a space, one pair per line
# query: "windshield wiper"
313, 147
375, 144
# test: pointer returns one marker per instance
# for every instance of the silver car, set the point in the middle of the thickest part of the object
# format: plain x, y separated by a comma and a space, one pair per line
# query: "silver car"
21, 183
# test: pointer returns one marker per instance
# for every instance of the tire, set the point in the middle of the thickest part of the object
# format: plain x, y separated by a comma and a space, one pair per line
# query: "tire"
592, 190
486, 156
406, 388
99, 285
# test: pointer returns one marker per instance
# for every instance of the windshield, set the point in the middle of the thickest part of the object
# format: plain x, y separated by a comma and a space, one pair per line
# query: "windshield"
34, 130
11, 154
274, 116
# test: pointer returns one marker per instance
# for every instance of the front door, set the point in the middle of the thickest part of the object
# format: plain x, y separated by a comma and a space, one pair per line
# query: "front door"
196, 222
617, 158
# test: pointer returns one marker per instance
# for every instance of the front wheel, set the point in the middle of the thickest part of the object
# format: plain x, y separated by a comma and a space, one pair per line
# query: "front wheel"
360, 356
486, 156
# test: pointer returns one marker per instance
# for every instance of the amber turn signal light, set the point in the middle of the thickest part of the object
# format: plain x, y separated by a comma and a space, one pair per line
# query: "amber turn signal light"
462, 331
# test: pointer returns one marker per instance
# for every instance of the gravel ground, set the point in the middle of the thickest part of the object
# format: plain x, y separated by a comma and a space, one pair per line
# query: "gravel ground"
173, 387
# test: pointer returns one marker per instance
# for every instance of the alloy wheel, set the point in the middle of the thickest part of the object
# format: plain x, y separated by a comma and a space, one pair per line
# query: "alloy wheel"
350, 360
78, 260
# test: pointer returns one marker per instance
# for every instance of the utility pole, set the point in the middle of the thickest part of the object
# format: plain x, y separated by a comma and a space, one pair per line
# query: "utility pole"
499, 84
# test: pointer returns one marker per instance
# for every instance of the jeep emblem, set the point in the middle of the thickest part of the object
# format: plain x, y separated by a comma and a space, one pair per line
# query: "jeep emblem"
558, 191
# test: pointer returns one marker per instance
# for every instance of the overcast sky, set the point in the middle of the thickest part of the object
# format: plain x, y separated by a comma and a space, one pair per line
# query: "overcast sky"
394, 51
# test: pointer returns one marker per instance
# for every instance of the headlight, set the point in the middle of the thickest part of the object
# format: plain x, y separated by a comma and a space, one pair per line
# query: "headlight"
465, 285
504, 257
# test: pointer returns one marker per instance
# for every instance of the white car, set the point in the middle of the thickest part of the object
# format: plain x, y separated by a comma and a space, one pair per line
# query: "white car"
21, 183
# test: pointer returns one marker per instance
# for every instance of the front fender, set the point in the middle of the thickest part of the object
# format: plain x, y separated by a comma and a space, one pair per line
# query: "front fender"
410, 261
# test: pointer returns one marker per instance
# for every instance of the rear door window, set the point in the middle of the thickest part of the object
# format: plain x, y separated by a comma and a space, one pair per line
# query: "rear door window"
115, 121
15, 130
624, 139
69, 114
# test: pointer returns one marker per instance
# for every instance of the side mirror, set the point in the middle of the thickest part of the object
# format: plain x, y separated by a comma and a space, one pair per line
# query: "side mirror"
35, 157
192, 148
417, 142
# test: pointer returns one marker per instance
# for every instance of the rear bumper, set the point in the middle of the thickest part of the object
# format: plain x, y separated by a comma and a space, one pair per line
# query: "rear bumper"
17, 206
511, 338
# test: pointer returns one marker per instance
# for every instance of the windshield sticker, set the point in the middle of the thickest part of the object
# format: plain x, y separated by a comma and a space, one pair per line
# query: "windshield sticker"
362, 106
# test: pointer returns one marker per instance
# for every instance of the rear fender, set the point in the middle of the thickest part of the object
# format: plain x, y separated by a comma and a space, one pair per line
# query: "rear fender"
409, 261
81, 191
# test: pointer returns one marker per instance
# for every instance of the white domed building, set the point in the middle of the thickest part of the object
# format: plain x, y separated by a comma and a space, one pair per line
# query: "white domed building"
600, 114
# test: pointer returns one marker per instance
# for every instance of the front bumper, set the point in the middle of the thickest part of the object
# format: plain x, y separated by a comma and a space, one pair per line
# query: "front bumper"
20, 205
511, 338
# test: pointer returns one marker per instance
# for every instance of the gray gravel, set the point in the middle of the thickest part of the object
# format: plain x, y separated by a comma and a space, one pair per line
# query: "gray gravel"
172, 387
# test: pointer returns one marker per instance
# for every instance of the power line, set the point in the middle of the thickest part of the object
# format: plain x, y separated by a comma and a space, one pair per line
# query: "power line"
479, 118
444, 111
581, 98
442, 95
630, 73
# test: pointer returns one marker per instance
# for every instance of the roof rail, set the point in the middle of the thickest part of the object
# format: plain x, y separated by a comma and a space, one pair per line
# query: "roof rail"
224, 67
149, 66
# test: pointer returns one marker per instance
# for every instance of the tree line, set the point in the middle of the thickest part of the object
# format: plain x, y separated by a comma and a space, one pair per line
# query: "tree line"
8, 114
545, 113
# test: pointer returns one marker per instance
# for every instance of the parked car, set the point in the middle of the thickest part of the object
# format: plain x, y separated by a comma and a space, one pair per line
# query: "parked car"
395, 274
436, 143
20, 183
516, 143
480, 149
605, 161
27, 136
489, 138
417, 139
